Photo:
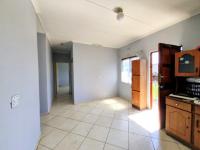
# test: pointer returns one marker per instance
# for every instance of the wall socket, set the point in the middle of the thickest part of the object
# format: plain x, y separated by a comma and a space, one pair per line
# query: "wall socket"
15, 101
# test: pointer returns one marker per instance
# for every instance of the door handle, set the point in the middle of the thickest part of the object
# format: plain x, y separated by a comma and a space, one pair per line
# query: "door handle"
161, 86
160, 77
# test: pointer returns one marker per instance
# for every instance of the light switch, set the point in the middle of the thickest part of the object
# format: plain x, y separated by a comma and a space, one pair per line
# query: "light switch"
15, 101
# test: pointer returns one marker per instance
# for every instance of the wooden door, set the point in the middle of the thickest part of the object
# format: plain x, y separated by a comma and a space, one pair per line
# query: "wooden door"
197, 131
166, 69
178, 122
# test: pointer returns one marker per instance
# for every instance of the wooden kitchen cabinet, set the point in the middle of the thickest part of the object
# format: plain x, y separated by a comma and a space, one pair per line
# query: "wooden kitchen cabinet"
136, 67
197, 131
197, 110
136, 83
178, 121
135, 98
178, 104
139, 81
187, 63
183, 121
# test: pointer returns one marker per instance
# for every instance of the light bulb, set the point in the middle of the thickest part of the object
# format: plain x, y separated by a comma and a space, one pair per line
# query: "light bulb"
120, 16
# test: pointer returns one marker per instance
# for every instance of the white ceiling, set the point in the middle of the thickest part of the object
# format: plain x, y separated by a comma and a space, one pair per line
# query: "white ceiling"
94, 22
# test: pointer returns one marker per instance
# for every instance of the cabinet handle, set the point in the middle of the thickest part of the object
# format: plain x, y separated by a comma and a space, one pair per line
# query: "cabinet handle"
176, 104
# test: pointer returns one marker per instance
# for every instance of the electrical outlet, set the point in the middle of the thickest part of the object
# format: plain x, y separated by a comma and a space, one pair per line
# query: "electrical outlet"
15, 101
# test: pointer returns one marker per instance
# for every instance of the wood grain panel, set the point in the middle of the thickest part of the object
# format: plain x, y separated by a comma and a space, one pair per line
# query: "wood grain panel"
178, 104
166, 73
139, 82
136, 98
136, 67
196, 54
136, 83
197, 131
178, 122
197, 110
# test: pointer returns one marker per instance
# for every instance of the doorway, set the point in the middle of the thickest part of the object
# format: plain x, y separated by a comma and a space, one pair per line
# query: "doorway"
154, 88
63, 87
154, 79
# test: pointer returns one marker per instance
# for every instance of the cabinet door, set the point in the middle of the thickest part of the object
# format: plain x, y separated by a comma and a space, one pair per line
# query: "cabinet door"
178, 122
136, 83
197, 131
187, 63
197, 110
136, 67
136, 98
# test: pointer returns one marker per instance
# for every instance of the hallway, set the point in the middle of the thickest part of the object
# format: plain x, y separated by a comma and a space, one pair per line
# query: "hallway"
110, 124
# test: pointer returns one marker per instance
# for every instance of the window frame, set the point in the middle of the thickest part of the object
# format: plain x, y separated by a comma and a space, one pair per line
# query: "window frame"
127, 72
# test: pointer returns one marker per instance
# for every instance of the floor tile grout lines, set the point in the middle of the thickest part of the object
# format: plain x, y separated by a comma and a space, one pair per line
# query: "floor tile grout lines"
108, 134
45, 147
86, 135
114, 117
69, 132
93, 124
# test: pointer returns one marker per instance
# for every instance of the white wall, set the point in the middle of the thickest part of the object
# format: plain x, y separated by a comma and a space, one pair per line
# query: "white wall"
39, 26
45, 73
95, 72
49, 67
63, 74
19, 127
186, 33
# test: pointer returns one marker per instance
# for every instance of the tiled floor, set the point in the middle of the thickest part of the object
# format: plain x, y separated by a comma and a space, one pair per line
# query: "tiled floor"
109, 124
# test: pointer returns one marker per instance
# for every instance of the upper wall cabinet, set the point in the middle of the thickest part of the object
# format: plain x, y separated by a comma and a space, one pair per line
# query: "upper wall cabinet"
187, 63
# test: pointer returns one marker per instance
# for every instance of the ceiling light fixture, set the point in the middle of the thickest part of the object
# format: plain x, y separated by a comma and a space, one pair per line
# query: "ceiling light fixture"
119, 12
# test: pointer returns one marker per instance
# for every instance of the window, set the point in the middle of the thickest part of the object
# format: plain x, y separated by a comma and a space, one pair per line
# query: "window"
126, 69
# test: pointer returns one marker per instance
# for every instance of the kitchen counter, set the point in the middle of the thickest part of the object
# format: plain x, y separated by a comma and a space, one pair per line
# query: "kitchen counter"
182, 121
183, 100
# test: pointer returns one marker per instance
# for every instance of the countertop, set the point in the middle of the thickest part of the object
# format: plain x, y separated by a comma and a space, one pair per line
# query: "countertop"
183, 100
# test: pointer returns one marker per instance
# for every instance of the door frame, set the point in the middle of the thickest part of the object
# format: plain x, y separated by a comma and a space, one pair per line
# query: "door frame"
170, 88
151, 90
57, 75
55, 79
